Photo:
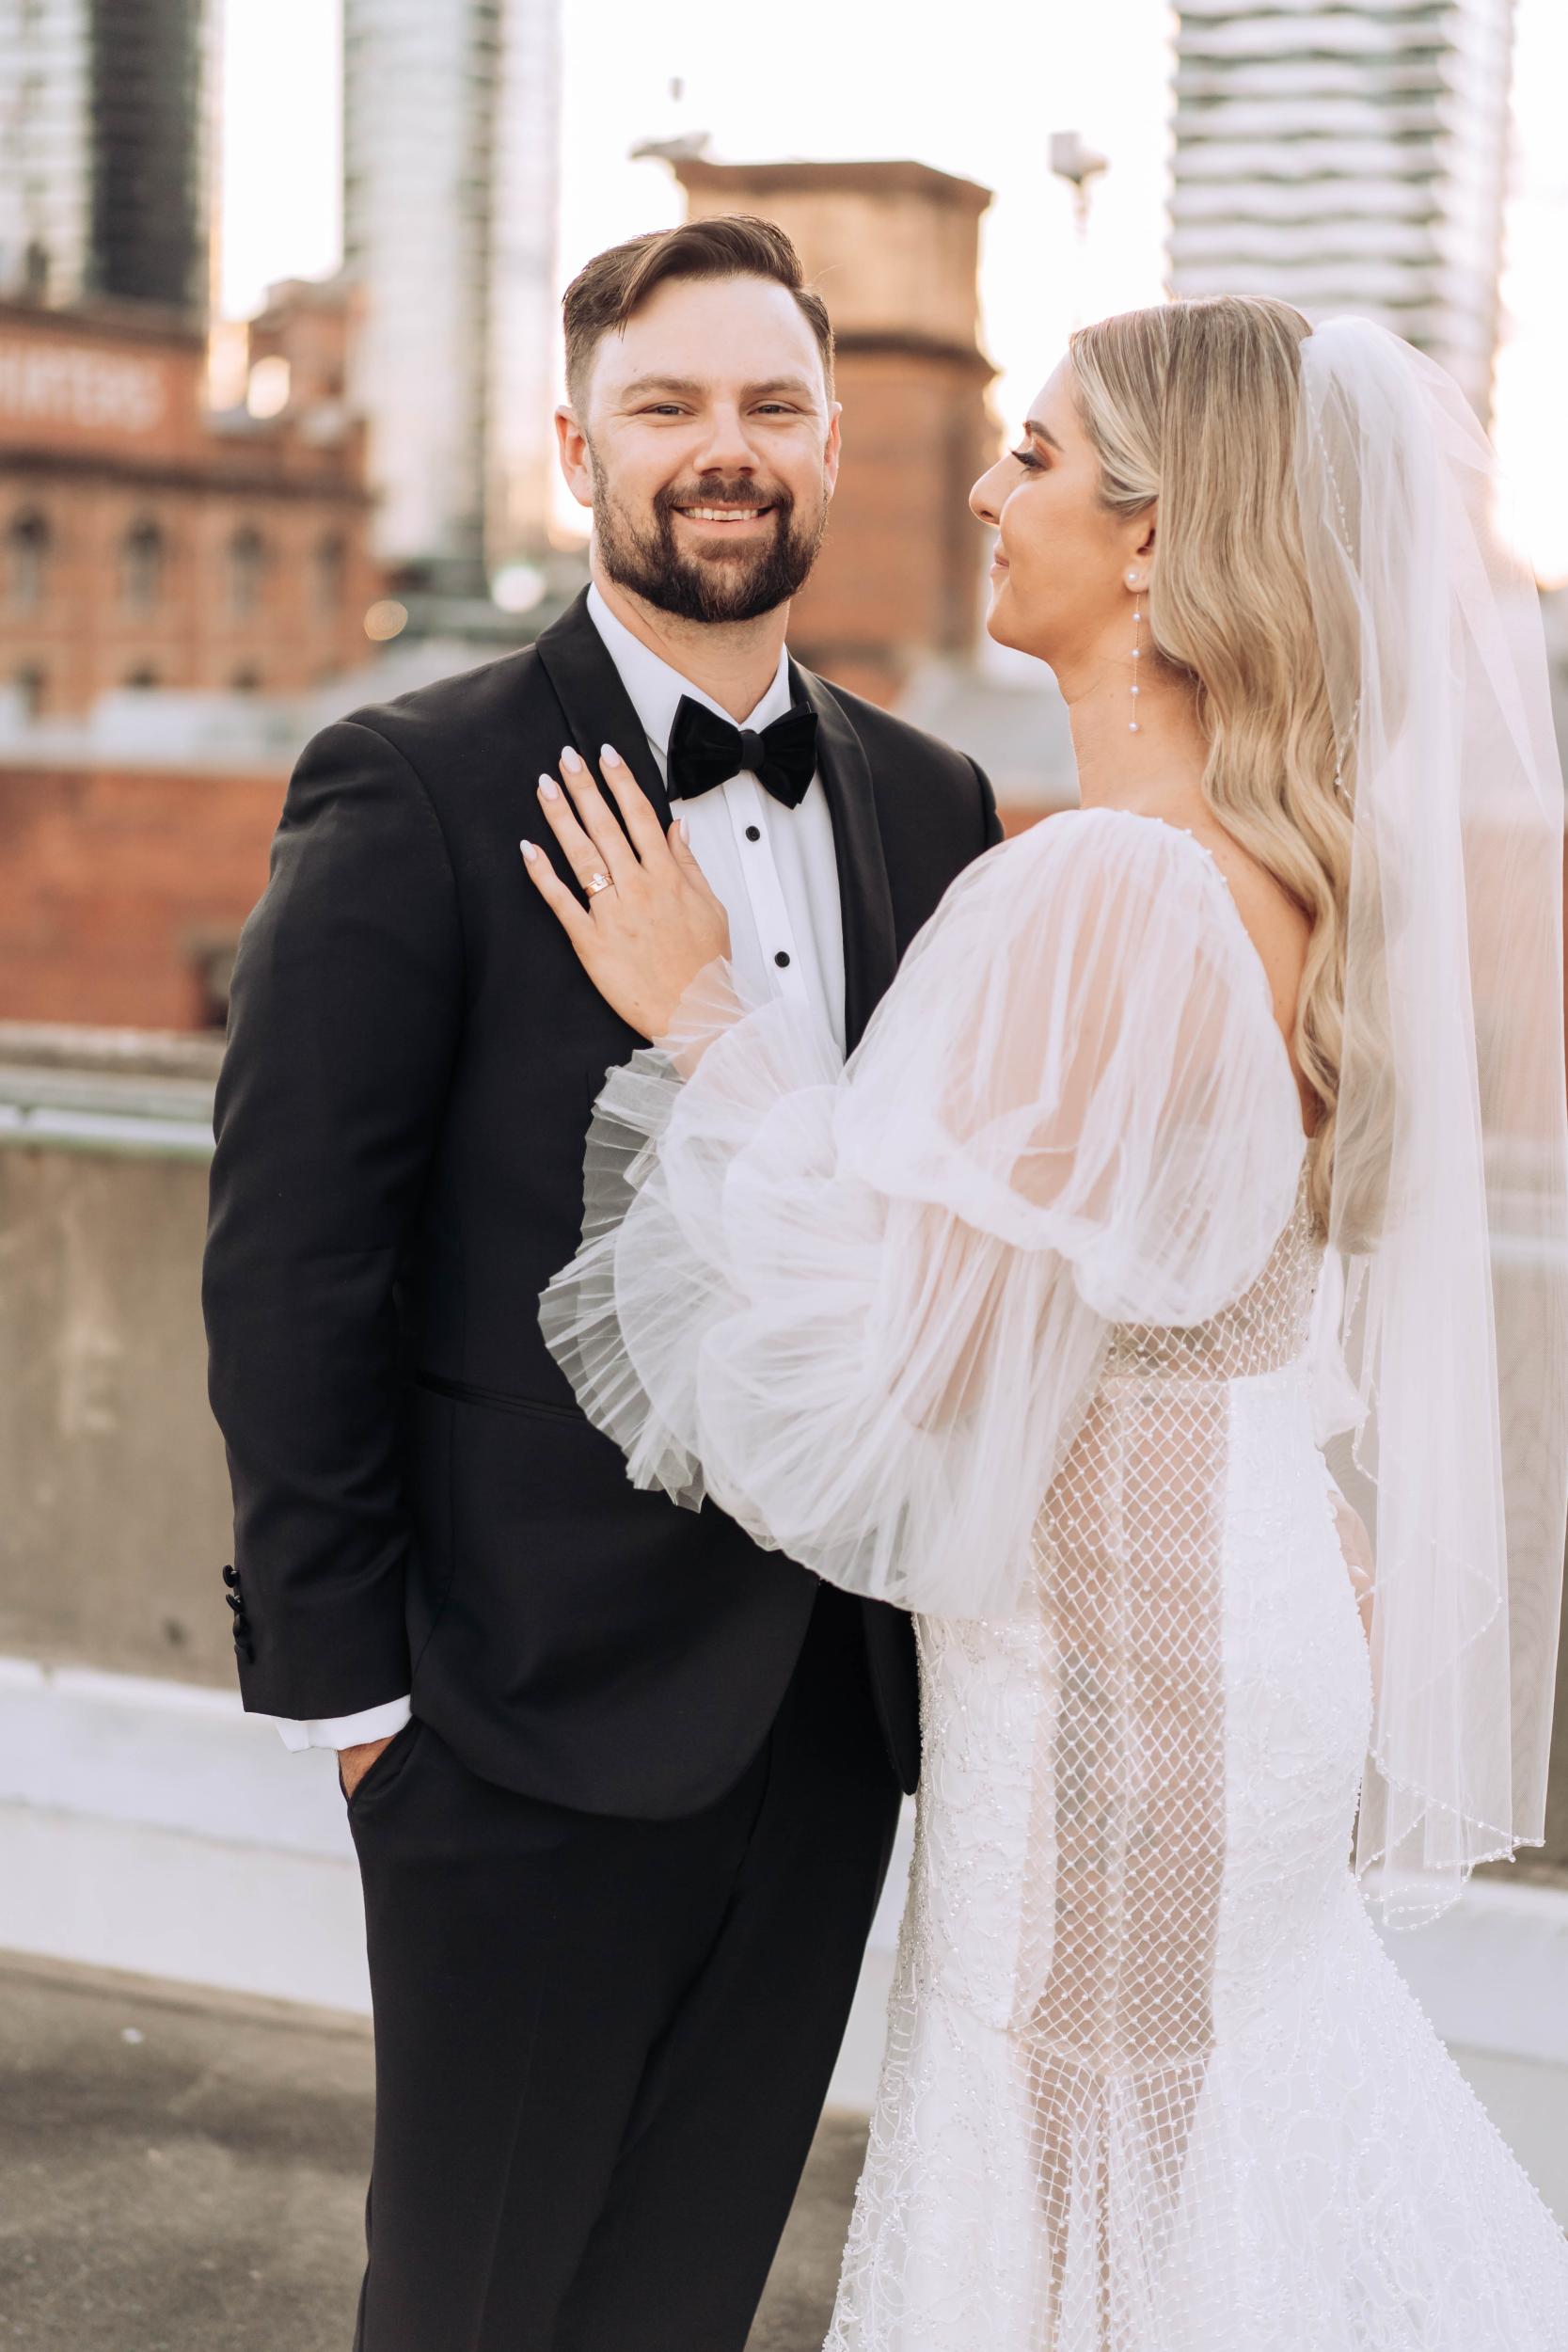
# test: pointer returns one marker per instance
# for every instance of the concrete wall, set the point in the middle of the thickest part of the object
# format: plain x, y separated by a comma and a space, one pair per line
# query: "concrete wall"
117, 1520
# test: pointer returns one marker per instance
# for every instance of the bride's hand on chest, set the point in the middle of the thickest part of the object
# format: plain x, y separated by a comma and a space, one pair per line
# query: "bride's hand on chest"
642, 918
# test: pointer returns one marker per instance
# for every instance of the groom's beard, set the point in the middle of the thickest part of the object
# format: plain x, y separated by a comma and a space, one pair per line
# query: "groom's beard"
729, 583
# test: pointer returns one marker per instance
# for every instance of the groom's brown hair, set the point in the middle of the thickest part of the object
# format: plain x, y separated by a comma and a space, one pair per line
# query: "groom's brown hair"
613, 286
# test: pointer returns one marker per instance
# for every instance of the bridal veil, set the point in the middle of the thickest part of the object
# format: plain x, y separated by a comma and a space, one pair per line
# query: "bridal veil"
1449, 1198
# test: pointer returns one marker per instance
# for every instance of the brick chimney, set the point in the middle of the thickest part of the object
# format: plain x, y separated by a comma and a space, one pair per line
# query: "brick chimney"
893, 251
309, 322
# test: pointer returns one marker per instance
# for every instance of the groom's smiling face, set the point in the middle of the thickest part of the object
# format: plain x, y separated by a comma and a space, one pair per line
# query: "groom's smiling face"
706, 444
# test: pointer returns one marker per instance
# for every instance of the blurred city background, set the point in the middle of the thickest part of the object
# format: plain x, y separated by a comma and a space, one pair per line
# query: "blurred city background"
279, 286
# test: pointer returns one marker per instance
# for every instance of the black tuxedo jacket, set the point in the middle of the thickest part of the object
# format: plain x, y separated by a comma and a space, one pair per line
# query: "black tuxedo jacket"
413, 1054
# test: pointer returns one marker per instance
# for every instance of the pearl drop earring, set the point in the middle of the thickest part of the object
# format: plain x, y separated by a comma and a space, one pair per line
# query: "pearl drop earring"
1137, 656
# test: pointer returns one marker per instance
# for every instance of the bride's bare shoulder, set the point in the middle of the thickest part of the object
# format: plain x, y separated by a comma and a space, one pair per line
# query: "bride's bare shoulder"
1278, 928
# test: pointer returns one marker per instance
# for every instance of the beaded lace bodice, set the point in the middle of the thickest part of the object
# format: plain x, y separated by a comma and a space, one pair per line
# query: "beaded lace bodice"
1264, 1329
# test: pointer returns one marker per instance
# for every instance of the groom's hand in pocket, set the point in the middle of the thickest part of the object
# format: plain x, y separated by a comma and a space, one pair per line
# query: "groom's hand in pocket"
353, 1763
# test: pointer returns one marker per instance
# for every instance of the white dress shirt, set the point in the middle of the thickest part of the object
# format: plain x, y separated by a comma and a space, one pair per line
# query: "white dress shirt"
774, 867
775, 870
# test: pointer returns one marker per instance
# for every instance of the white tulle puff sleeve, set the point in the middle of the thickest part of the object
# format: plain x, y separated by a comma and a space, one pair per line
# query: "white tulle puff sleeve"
863, 1306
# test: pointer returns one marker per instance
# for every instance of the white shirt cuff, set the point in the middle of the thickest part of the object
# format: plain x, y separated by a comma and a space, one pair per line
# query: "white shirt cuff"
344, 1731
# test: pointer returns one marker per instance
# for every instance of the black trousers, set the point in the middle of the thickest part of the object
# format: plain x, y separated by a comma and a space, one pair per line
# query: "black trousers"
602, 2045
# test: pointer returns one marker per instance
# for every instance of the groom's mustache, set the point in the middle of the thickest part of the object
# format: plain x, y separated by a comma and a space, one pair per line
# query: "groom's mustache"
675, 497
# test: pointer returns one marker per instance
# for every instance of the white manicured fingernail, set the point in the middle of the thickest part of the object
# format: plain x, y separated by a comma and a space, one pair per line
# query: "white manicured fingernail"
611, 756
528, 850
548, 791
570, 761
686, 833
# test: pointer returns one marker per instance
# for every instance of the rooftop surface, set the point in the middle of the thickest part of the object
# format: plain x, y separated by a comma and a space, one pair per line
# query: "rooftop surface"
185, 2172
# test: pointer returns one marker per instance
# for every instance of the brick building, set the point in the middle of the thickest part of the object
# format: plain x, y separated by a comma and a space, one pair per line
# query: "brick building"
123, 888
894, 249
149, 541
146, 539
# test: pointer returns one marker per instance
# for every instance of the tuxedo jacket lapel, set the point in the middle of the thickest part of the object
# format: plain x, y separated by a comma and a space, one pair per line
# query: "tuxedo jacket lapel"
870, 941
597, 707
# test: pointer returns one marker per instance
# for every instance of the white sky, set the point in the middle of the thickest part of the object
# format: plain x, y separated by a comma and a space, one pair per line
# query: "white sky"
834, 79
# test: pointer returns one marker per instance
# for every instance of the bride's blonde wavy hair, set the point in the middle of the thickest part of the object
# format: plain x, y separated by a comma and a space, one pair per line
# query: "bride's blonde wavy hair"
1194, 403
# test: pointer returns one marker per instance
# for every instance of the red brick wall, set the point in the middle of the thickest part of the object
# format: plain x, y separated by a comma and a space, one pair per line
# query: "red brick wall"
118, 886
901, 567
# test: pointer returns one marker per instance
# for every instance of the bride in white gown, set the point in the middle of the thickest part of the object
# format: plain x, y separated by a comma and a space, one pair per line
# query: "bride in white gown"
1219, 1119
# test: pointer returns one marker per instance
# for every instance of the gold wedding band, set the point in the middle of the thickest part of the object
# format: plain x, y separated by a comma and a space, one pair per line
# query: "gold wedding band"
596, 883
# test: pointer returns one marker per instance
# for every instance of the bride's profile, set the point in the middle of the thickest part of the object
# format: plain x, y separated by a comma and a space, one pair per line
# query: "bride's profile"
1211, 1125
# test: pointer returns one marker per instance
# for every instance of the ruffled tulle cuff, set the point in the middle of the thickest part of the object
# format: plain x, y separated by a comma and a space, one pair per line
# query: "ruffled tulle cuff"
625, 1320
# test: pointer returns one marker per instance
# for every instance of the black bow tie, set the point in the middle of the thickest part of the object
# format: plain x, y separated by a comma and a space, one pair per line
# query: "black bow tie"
706, 750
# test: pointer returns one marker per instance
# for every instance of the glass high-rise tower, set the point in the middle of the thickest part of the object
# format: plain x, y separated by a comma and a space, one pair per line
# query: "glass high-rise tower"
107, 139
450, 170
1348, 157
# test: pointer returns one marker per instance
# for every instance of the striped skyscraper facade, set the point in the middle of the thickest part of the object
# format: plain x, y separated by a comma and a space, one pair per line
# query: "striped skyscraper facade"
450, 170
107, 146
1349, 157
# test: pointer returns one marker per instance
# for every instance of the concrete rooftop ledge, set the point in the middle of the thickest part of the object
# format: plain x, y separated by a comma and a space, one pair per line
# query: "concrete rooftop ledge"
147, 1092
67, 1046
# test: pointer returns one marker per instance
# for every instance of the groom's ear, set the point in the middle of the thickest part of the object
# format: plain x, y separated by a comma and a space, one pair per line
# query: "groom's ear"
832, 449
575, 462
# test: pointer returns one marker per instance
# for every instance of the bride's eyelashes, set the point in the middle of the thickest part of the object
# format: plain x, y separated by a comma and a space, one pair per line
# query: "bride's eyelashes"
1026, 458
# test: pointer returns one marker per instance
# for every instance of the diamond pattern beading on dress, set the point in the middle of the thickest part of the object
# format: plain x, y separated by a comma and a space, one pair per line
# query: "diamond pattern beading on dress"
1151, 2084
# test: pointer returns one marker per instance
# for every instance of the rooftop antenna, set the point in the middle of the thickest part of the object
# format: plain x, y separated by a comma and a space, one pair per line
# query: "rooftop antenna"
1073, 160
681, 146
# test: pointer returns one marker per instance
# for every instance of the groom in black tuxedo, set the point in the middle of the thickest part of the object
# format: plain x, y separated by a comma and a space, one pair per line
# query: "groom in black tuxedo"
622, 1787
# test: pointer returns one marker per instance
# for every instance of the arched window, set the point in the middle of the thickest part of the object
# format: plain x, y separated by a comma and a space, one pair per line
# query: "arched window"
28, 553
32, 687
247, 556
142, 678
141, 559
246, 681
331, 566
